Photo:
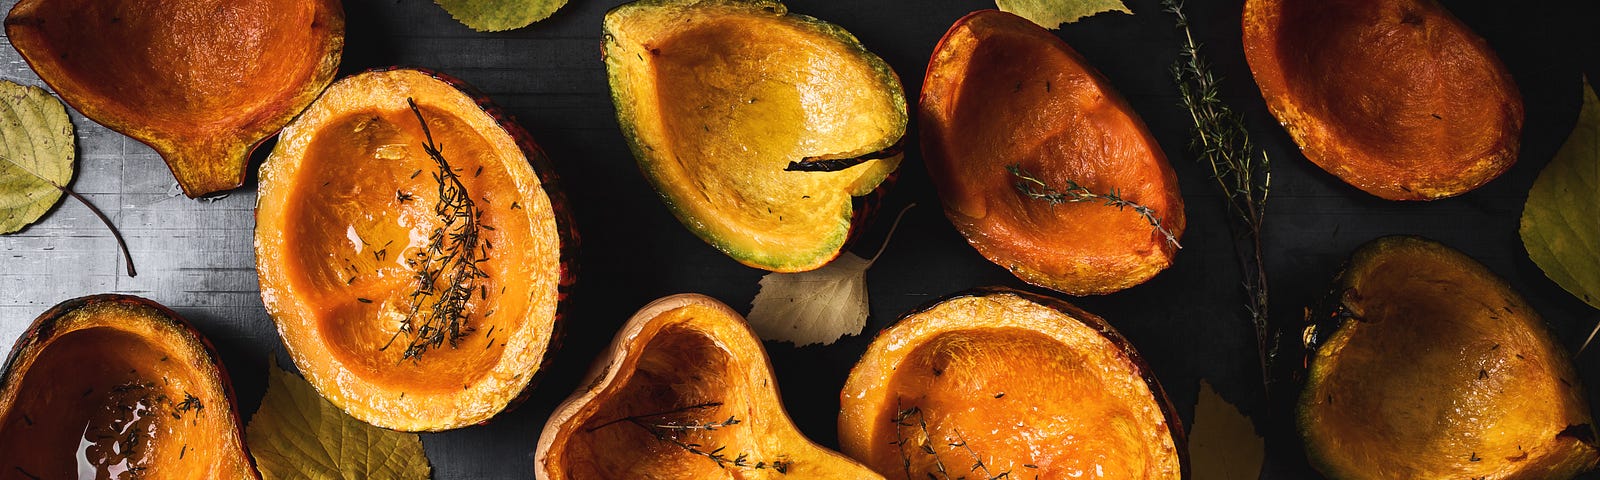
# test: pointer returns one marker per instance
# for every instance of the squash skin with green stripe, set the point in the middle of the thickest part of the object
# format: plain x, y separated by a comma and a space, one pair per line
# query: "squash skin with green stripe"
683, 134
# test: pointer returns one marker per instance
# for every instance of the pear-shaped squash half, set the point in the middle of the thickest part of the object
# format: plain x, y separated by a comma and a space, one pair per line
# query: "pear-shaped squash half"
200, 81
115, 386
1000, 92
1030, 386
1395, 97
718, 98
1428, 366
350, 224
684, 392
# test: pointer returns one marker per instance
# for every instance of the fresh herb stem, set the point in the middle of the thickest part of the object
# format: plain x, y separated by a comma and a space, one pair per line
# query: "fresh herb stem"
1242, 172
663, 428
452, 257
1031, 186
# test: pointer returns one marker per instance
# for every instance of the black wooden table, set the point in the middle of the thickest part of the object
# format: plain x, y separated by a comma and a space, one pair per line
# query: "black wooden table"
197, 257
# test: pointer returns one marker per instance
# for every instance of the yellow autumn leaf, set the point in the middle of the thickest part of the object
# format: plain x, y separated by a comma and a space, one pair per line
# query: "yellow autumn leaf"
1053, 13
818, 306
1223, 444
1560, 228
36, 153
298, 435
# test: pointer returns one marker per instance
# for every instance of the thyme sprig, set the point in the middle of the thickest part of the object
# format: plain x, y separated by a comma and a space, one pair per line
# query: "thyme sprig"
1242, 171
663, 427
1031, 186
448, 268
903, 419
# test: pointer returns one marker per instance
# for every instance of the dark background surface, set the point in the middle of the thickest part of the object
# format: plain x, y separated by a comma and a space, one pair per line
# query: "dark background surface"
196, 256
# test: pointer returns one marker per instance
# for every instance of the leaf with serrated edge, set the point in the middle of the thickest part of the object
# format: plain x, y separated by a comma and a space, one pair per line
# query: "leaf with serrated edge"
499, 15
297, 434
36, 154
1560, 228
1223, 445
818, 306
1053, 13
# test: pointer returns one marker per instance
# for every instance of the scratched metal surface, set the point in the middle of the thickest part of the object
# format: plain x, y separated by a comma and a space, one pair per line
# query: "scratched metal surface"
196, 256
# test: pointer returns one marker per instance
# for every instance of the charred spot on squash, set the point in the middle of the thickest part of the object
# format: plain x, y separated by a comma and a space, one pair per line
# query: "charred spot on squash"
1395, 97
201, 82
345, 229
1488, 392
685, 388
114, 384
1001, 91
719, 97
1029, 384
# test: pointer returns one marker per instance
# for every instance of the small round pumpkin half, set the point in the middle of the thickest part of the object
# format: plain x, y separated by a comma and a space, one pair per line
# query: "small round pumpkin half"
1425, 364
685, 391
1395, 97
115, 386
360, 242
1005, 99
770, 135
1029, 385
203, 82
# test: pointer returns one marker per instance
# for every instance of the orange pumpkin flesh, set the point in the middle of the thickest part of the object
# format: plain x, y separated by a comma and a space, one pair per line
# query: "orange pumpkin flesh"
677, 352
1002, 91
113, 383
1031, 385
347, 206
1396, 97
200, 81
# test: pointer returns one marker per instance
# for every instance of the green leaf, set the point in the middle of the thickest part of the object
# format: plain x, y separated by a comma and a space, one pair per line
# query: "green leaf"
1223, 445
36, 153
297, 434
1053, 13
498, 15
1560, 227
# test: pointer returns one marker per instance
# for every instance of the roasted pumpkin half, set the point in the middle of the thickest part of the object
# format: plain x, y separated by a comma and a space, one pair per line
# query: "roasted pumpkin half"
1424, 365
115, 386
756, 126
685, 391
1006, 104
1395, 97
1012, 385
200, 81
414, 269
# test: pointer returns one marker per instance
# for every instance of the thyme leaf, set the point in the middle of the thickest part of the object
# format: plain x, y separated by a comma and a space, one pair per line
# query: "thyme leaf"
1035, 188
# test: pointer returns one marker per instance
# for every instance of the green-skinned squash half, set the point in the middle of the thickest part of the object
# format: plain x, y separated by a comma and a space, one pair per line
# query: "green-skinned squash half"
756, 126
1425, 365
116, 386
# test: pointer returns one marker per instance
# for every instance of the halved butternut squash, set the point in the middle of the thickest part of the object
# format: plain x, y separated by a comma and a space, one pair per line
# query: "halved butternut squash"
1425, 364
115, 386
356, 231
684, 392
200, 81
1027, 385
756, 126
1395, 97
1002, 92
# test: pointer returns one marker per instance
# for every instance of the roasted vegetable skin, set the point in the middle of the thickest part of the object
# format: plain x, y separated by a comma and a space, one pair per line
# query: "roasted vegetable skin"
345, 217
1004, 97
1032, 384
113, 383
720, 99
1398, 98
1424, 364
684, 391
